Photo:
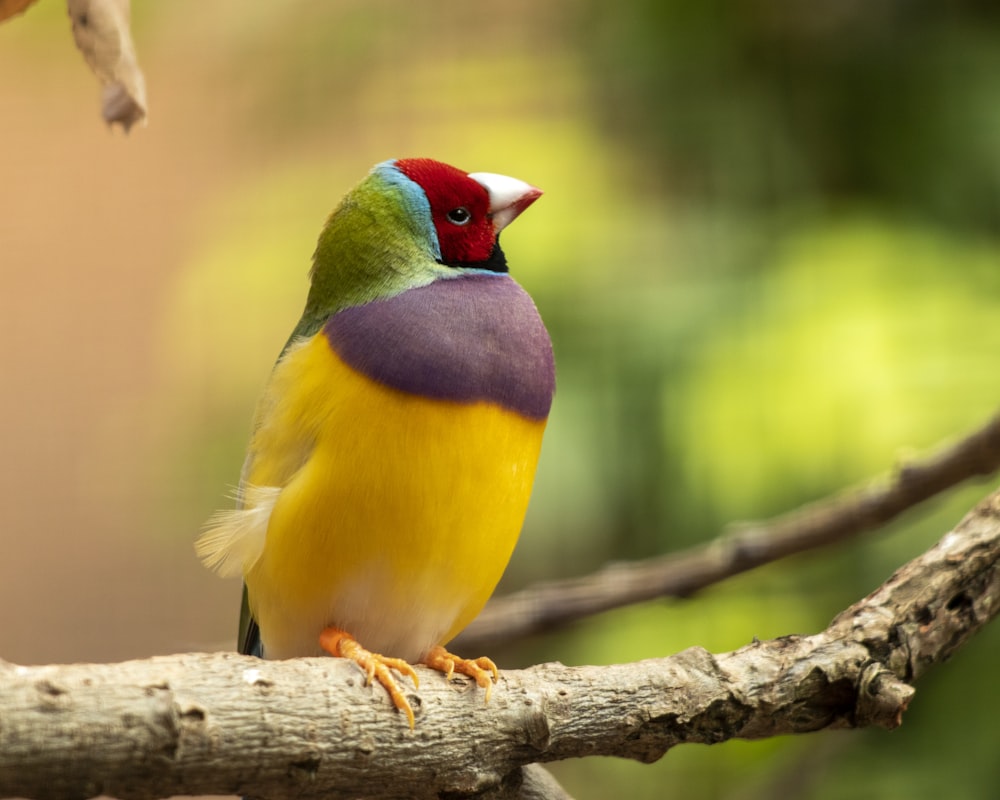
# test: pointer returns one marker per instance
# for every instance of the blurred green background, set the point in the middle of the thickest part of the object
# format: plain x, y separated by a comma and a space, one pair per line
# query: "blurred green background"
768, 254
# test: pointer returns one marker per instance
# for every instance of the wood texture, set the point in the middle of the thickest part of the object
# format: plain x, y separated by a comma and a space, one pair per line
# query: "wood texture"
228, 724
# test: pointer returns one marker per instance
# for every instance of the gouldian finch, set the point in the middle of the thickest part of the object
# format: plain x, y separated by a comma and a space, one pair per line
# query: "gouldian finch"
395, 445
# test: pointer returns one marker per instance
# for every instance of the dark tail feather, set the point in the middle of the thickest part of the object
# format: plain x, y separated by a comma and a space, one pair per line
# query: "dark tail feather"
249, 635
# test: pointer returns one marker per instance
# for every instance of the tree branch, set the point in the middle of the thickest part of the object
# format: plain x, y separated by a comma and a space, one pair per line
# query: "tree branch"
554, 604
229, 724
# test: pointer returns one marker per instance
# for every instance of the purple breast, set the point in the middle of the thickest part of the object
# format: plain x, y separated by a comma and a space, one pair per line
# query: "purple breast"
466, 339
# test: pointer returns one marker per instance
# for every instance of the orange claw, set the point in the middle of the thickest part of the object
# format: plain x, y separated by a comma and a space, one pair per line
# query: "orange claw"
341, 644
482, 669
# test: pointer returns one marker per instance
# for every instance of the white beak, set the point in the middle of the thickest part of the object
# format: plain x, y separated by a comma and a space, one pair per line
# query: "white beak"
508, 196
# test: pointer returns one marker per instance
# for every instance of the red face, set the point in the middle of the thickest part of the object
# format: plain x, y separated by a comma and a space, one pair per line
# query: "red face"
459, 208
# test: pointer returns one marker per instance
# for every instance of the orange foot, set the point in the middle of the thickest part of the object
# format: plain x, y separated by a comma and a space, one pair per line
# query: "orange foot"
482, 670
340, 643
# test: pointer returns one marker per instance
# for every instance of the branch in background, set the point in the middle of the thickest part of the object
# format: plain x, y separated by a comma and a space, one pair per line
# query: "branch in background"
554, 604
101, 29
8, 8
229, 724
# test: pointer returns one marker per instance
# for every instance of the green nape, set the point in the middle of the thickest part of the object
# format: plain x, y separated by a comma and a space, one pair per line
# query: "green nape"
372, 247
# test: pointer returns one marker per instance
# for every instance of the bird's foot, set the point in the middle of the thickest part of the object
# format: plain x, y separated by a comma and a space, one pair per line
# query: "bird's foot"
378, 667
482, 670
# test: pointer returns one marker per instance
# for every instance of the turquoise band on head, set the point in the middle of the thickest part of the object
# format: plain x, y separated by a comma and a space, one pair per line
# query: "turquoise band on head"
412, 197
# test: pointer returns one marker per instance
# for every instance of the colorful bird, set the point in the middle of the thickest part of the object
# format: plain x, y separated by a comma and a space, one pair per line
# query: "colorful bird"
395, 445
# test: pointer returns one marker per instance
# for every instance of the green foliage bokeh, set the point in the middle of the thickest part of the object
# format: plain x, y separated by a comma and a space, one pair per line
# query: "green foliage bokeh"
768, 258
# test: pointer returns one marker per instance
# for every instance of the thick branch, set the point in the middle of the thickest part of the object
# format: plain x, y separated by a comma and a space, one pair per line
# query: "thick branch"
551, 605
228, 724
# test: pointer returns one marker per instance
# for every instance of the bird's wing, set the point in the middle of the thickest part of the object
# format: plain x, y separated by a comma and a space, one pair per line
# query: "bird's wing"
282, 441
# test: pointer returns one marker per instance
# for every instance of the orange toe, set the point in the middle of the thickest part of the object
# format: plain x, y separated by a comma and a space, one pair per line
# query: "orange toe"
378, 667
482, 670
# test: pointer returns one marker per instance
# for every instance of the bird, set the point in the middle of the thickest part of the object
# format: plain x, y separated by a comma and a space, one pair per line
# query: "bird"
394, 447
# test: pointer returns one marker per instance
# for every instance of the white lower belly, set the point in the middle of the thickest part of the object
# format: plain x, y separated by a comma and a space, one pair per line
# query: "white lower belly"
383, 619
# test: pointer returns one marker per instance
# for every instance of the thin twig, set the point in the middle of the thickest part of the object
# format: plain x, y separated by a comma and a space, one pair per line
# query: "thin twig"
554, 604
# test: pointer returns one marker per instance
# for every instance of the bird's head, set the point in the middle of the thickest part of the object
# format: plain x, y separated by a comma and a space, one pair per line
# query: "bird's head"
411, 221
466, 211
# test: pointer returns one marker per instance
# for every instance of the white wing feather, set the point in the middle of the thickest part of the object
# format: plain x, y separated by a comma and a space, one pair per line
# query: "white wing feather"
233, 540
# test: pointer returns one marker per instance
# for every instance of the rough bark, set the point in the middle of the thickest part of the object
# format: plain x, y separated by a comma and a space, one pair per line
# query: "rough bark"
228, 724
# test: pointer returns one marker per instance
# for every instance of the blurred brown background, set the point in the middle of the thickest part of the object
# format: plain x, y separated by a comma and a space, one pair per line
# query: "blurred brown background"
767, 253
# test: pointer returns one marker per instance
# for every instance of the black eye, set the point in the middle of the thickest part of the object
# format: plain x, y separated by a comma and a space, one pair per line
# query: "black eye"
459, 216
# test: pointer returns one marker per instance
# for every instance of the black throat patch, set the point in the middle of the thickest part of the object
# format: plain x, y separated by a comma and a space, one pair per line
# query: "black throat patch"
497, 262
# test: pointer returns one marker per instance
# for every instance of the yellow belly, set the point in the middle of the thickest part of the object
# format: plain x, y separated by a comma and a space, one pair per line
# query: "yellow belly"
402, 518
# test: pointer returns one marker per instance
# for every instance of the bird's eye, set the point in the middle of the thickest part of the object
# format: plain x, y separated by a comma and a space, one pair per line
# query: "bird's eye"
459, 216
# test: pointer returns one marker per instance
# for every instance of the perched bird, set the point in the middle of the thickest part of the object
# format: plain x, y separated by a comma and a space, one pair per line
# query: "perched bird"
395, 445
